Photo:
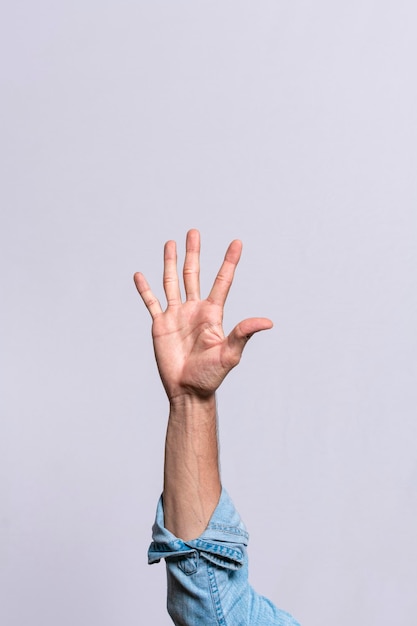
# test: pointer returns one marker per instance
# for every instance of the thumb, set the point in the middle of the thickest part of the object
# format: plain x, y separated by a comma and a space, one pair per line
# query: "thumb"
241, 334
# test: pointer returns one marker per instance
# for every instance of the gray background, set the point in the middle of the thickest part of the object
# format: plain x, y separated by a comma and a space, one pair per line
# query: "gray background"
291, 125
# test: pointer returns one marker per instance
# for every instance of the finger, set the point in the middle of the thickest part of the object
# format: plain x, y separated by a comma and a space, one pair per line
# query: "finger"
241, 334
224, 278
151, 302
191, 272
171, 283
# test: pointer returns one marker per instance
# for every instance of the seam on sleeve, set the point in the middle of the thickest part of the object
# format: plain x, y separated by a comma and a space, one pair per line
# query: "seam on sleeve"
215, 596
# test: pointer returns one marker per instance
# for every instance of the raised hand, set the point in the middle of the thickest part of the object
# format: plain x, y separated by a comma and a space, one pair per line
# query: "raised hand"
192, 352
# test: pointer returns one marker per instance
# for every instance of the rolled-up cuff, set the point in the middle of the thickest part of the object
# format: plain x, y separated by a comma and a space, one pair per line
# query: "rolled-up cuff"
223, 542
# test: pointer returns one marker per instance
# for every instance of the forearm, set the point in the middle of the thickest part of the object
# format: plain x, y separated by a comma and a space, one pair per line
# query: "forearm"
191, 478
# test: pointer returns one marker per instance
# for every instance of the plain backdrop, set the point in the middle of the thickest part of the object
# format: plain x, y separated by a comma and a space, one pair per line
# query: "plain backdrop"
291, 125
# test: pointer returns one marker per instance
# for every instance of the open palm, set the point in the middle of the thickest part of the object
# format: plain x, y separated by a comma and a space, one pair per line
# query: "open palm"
192, 353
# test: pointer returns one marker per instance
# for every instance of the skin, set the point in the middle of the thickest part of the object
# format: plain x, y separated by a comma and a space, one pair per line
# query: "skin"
193, 356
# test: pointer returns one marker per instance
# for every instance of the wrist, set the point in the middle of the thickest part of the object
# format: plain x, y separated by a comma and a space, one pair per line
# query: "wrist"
189, 404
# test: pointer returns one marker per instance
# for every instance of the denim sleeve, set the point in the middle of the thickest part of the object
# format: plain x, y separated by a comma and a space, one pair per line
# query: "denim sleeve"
208, 576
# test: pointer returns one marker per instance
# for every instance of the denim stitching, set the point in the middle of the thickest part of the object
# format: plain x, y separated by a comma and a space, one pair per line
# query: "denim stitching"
230, 530
215, 596
214, 548
222, 563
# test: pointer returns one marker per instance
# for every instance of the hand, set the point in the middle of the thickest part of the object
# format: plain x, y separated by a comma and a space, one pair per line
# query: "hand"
192, 353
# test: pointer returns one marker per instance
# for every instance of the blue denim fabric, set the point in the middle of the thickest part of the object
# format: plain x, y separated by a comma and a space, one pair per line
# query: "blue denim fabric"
208, 576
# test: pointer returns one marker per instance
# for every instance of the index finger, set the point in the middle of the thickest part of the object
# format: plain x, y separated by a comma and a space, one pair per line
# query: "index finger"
224, 278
